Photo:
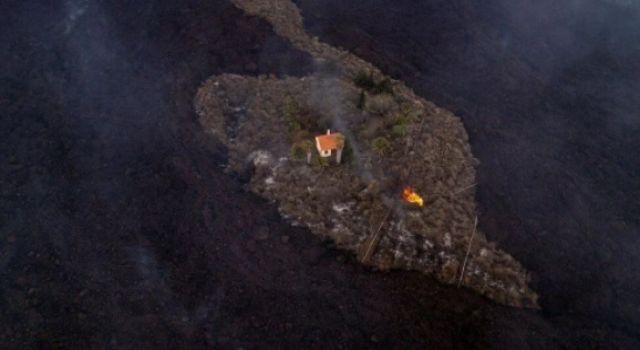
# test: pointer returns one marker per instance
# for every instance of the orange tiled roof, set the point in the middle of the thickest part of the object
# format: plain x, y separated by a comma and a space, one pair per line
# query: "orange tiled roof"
329, 142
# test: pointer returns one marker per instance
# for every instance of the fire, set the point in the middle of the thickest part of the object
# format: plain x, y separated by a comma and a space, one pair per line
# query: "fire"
411, 196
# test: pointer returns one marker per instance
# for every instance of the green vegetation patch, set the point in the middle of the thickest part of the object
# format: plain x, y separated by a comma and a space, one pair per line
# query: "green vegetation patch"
297, 151
380, 145
401, 123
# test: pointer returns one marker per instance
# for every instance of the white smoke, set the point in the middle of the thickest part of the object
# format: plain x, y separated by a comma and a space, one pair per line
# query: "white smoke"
328, 96
75, 10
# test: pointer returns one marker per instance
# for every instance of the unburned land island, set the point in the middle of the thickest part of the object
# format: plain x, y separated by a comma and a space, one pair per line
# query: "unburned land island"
360, 159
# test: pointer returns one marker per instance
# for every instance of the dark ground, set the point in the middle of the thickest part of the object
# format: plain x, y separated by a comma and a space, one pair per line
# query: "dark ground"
119, 230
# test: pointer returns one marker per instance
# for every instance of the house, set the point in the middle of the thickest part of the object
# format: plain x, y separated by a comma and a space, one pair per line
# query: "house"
330, 142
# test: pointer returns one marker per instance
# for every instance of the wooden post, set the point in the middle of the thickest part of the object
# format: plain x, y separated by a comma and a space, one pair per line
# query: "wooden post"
464, 264
372, 242
465, 188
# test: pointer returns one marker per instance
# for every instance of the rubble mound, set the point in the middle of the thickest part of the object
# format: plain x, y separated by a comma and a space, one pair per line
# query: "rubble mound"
393, 141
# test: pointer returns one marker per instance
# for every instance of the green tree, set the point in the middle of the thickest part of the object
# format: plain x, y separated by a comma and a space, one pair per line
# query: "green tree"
291, 113
364, 80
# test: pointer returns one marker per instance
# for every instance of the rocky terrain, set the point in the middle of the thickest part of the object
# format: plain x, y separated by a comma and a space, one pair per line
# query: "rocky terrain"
358, 203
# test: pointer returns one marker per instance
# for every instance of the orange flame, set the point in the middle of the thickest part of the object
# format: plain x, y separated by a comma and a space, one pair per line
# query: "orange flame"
411, 196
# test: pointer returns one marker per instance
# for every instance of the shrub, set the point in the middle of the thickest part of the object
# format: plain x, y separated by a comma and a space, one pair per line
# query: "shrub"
341, 140
320, 162
380, 105
399, 130
401, 123
404, 118
297, 151
380, 145
383, 87
302, 150
347, 152
364, 80
307, 146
